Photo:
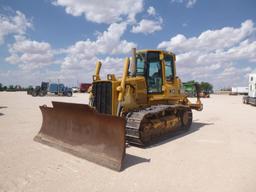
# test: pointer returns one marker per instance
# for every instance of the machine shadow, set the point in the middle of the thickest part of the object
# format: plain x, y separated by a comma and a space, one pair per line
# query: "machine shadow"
131, 160
177, 134
2, 107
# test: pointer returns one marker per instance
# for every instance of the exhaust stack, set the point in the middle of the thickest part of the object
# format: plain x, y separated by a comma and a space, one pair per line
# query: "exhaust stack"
133, 62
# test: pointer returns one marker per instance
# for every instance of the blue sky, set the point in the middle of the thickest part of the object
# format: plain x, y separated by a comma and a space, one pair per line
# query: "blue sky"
56, 39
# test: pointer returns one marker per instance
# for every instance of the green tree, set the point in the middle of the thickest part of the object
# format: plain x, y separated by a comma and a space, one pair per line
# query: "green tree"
11, 88
1, 87
205, 86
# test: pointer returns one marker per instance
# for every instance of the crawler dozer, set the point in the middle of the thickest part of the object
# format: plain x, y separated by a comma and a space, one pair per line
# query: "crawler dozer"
145, 103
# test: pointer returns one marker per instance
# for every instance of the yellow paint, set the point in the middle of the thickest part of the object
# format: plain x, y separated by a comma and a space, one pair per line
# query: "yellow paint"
131, 92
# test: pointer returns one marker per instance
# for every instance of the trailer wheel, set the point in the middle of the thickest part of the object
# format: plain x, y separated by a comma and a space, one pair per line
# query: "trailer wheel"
69, 94
41, 94
245, 100
34, 94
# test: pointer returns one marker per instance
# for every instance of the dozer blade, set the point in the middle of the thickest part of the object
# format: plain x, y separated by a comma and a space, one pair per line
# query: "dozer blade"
81, 131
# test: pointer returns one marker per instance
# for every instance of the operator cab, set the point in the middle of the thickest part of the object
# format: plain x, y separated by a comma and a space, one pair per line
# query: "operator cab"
156, 67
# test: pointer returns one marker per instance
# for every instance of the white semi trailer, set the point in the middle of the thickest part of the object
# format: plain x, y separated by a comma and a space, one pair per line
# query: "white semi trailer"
239, 91
251, 98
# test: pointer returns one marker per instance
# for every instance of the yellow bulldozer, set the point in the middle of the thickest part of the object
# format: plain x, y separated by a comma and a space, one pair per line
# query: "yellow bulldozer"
145, 103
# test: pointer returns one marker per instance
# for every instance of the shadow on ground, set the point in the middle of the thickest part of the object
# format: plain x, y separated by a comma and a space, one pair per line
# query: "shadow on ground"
131, 160
177, 134
2, 107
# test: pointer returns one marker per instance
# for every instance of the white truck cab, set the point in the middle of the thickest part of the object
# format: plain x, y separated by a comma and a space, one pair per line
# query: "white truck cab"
252, 85
251, 98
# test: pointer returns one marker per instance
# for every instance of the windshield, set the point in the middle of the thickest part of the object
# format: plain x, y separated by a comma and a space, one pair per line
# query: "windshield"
169, 71
154, 78
140, 67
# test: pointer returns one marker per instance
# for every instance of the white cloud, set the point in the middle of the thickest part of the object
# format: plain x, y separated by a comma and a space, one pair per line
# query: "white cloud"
77, 62
17, 24
109, 42
29, 55
211, 39
81, 57
189, 3
215, 55
85, 68
112, 65
102, 11
147, 26
184, 24
151, 11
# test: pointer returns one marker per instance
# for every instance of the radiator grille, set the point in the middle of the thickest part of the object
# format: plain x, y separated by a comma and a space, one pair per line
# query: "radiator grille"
102, 92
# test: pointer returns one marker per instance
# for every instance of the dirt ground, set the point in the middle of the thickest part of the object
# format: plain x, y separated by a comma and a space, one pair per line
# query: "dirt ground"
217, 154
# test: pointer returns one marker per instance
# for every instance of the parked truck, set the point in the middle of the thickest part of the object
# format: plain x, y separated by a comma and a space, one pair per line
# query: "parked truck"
50, 88
189, 88
190, 91
60, 89
84, 87
38, 90
251, 97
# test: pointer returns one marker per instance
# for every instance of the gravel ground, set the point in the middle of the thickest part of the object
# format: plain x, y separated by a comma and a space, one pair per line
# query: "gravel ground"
217, 154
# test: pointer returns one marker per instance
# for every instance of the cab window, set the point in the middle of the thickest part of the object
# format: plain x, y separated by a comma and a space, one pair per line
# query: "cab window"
169, 70
154, 79
140, 64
